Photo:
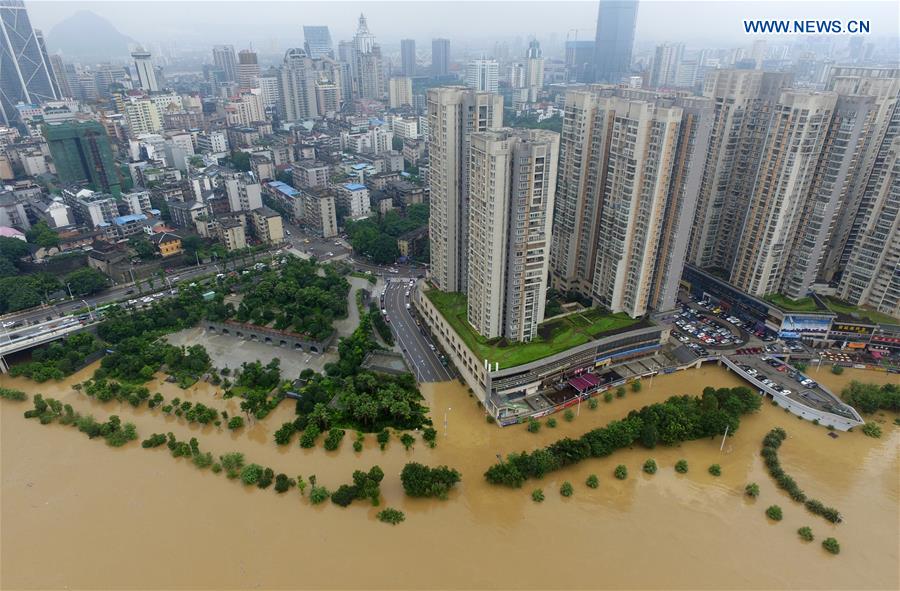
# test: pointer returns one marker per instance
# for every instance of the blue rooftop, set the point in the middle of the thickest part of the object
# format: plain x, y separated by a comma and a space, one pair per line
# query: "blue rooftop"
124, 219
359, 166
354, 187
284, 188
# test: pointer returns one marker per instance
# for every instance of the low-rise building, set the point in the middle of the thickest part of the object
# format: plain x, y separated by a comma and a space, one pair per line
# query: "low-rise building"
232, 234
184, 214
355, 198
267, 225
54, 211
311, 174
167, 244
320, 214
126, 226
288, 198
413, 243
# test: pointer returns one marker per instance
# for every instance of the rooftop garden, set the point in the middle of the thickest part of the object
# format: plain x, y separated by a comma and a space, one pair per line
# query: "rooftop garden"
841, 307
554, 336
806, 304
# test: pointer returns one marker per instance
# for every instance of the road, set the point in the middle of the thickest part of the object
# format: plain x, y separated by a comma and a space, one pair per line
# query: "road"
34, 316
425, 363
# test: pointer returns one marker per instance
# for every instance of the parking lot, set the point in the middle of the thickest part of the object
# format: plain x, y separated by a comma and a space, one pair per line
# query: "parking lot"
794, 384
700, 330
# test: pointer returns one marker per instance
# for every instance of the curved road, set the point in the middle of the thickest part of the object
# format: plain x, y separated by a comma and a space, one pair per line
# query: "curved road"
426, 364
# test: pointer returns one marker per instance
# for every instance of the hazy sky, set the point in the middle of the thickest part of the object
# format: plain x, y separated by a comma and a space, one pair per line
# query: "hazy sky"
269, 24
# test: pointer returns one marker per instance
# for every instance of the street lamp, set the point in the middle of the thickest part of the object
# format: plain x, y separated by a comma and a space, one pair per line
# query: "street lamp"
69, 287
89, 309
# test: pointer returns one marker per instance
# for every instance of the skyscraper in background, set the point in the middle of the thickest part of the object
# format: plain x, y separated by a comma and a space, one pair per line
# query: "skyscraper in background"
317, 42
247, 68
408, 57
25, 74
145, 73
440, 57
666, 60
225, 60
59, 73
483, 75
614, 41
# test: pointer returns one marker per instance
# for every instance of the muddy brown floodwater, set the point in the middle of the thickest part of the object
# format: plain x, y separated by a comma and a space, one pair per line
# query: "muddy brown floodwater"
79, 514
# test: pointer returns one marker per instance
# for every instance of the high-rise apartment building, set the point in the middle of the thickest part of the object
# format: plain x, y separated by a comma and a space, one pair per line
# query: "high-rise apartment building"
225, 60
400, 92
366, 63
25, 74
440, 57
630, 170
317, 42
298, 91
512, 179
666, 61
408, 57
454, 113
143, 65
883, 85
142, 116
82, 153
787, 171
247, 69
482, 75
871, 276
270, 85
744, 101
614, 40
534, 71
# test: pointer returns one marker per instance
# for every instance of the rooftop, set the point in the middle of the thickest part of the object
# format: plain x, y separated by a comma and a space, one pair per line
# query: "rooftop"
124, 219
354, 187
554, 336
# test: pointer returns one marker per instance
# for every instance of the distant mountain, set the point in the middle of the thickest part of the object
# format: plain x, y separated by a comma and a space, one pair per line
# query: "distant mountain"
86, 35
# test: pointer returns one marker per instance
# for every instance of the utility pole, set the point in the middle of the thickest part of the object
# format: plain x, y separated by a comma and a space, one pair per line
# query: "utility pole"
721, 447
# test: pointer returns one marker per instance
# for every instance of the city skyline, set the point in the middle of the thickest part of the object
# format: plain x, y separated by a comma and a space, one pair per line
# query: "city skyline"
722, 22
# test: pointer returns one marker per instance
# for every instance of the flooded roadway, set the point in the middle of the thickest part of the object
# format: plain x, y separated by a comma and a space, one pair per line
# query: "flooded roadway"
79, 514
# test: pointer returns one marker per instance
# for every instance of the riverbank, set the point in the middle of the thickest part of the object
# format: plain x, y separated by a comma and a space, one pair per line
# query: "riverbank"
146, 520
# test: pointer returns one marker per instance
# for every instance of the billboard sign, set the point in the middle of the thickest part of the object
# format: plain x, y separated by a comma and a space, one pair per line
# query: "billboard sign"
796, 326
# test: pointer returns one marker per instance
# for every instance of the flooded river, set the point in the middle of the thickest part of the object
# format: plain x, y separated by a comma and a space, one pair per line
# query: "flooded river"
79, 514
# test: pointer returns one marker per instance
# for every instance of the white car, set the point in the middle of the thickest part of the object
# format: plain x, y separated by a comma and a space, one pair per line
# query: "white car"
407, 306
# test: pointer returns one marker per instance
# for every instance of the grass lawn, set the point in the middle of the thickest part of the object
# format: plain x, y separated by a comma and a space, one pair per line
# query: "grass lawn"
553, 337
842, 307
785, 303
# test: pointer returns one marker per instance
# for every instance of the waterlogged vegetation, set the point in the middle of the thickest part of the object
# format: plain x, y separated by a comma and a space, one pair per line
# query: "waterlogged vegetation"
50, 410
771, 442
11, 394
59, 359
680, 418
348, 396
422, 481
869, 398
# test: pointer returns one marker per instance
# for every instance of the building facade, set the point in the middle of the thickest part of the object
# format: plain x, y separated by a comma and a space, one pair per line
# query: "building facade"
454, 113
512, 181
